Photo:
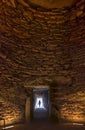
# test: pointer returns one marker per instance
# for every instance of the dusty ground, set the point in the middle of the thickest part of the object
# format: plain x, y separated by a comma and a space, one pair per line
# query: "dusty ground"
47, 126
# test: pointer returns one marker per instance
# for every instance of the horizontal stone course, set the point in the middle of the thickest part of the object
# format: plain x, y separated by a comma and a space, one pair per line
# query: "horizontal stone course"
42, 47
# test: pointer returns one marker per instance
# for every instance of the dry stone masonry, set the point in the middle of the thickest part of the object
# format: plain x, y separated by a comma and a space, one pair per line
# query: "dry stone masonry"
42, 46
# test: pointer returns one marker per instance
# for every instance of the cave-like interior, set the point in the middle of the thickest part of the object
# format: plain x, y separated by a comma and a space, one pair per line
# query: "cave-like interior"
42, 44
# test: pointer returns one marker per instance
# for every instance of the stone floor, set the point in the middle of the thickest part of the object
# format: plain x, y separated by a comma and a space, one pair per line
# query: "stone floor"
47, 126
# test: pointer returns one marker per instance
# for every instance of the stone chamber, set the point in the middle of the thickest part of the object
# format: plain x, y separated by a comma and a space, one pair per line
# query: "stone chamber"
42, 44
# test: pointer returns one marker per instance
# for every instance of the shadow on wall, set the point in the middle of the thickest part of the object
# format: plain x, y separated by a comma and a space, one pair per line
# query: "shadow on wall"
55, 110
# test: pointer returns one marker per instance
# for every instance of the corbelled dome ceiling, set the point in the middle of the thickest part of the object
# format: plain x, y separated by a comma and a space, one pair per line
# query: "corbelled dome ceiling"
51, 3
42, 43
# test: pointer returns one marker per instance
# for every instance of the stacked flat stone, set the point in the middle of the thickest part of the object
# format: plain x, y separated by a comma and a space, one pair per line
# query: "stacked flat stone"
42, 46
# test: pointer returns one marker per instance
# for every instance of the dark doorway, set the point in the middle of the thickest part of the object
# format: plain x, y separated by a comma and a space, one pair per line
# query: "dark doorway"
40, 104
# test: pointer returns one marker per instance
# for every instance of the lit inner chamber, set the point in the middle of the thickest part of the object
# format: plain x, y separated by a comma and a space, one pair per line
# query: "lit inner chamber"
39, 103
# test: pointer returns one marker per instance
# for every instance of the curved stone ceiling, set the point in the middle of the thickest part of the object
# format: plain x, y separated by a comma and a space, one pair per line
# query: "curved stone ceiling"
49, 4
38, 47
52, 3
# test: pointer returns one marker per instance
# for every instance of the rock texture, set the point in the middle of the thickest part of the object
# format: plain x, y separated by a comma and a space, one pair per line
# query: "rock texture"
40, 46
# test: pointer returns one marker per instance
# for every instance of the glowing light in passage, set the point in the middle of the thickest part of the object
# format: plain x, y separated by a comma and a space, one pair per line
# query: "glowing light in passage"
7, 127
77, 124
39, 103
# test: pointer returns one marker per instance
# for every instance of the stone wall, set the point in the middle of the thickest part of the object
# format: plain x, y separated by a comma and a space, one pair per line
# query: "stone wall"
44, 47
